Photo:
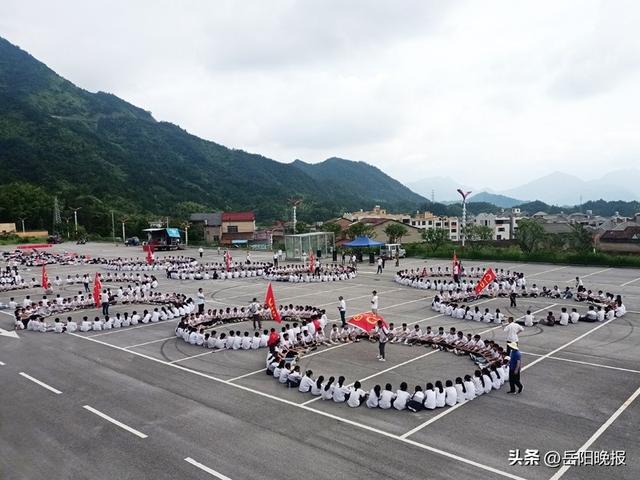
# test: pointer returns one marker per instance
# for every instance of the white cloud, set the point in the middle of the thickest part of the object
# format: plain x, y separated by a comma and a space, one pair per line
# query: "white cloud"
493, 93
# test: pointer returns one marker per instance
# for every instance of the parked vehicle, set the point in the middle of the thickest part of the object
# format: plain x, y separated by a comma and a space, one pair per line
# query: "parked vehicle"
132, 242
392, 250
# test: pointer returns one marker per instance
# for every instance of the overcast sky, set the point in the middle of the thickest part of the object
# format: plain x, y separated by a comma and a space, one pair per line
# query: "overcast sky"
493, 92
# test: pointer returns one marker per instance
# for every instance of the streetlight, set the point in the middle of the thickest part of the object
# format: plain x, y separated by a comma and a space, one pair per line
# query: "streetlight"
294, 202
67, 219
113, 227
463, 233
75, 218
22, 219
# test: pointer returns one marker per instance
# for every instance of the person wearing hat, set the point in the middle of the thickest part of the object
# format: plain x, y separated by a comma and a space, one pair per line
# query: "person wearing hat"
515, 365
512, 329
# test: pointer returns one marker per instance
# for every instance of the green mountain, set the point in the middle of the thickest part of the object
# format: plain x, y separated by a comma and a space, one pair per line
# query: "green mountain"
100, 153
495, 199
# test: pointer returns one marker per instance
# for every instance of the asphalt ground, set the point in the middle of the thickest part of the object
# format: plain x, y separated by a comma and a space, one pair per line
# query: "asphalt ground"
188, 412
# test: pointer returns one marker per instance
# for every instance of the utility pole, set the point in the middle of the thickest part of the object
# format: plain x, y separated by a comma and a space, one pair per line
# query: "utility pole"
463, 227
113, 227
22, 219
123, 220
294, 202
57, 220
186, 226
68, 219
75, 218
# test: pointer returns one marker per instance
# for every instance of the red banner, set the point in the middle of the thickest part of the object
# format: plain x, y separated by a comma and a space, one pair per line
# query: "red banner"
312, 261
366, 321
227, 260
97, 289
488, 277
270, 302
45, 278
34, 245
149, 254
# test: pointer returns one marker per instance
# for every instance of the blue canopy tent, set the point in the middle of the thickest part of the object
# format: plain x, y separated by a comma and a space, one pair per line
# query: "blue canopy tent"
364, 242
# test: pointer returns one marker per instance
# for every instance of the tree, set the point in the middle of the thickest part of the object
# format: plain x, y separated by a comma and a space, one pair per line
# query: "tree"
478, 233
395, 232
530, 235
302, 227
435, 238
334, 228
359, 229
580, 239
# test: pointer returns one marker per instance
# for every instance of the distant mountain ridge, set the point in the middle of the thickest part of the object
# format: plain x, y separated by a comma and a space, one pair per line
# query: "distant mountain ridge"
101, 152
495, 199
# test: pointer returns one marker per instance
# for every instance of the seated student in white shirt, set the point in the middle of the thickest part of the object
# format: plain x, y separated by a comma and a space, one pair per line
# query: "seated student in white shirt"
450, 394
237, 341
294, 378
440, 395
306, 382
340, 390
496, 380
245, 344
386, 397
58, 326
460, 390
255, 341
486, 380
415, 403
193, 336
402, 397
86, 325
591, 315
327, 391
71, 325
469, 387
107, 324
135, 318
284, 373
97, 324
318, 386
564, 317
373, 399
357, 395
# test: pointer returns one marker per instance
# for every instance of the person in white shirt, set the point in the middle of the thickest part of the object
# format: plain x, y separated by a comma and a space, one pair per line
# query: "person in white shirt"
429, 397
340, 390
342, 308
327, 391
386, 397
294, 378
450, 393
470, 389
415, 403
373, 400
306, 382
71, 325
284, 373
383, 337
460, 390
512, 329
529, 319
574, 316
318, 386
374, 303
356, 395
564, 317
402, 397
440, 395
246, 341
58, 327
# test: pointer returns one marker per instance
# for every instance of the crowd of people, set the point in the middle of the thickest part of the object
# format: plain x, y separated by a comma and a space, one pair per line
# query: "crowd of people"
217, 271
12, 279
141, 264
491, 373
304, 274
38, 257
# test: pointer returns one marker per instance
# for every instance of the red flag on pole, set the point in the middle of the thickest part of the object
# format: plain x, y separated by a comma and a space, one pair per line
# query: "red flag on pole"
270, 302
149, 249
312, 261
45, 278
455, 262
227, 260
488, 277
97, 289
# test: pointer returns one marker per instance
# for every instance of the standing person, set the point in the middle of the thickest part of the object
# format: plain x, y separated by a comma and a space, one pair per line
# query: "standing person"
200, 301
383, 338
85, 281
397, 259
104, 300
342, 308
275, 259
456, 272
344, 255
254, 309
512, 299
374, 303
201, 251
379, 266
515, 366
512, 329
248, 262
218, 250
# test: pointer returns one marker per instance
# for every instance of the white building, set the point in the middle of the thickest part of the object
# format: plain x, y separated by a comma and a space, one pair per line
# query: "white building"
427, 220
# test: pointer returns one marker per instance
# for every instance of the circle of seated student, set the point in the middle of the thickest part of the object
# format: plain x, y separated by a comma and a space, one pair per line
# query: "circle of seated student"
218, 271
138, 263
307, 328
490, 374
36, 258
170, 305
428, 279
303, 274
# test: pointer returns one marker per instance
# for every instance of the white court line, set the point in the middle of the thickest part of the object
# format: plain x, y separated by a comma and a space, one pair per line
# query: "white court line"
2, 364
632, 281
546, 271
600, 431
198, 355
450, 409
42, 384
592, 273
150, 342
126, 329
310, 409
600, 365
206, 469
115, 422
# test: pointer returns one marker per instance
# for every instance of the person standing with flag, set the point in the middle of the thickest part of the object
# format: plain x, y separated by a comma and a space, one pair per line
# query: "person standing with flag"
45, 278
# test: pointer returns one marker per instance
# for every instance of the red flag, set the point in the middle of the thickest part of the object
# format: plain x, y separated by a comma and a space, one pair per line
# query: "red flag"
270, 302
227, 260
97, 289
366, 321
455, 262
45, 278
149, 254
312, 261
488, 277
274, 339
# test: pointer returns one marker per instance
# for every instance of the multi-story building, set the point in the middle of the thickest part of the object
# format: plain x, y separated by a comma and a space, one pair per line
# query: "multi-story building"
427, 220
377, 212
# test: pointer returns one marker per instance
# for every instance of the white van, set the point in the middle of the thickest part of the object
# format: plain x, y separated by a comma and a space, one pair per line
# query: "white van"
391, 250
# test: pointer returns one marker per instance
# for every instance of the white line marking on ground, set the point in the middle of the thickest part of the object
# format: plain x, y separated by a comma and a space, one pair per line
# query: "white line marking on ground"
115, 422
562, 359
198, 355
631, 281
589, 274
600, 431
127, 329
42, 384
310, 409
546, 271
152, 341
450, 409
206, 469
